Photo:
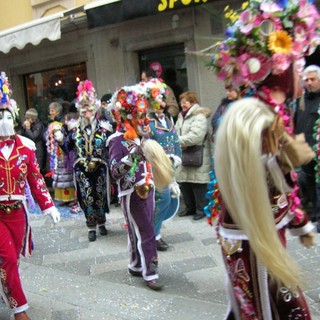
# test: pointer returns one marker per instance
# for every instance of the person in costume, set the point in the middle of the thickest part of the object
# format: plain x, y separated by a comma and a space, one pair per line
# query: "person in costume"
255, 195
18, 168
91, 173
167, 201
138, 163
60, 171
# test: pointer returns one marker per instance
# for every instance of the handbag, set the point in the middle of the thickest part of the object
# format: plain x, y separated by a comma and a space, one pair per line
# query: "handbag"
192, 156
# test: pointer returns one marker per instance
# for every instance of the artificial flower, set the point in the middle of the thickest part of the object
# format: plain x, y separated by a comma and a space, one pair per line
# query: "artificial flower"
280, 42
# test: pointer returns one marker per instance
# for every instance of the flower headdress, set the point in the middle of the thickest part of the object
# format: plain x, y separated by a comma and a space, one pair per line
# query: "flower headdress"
5, 94
86, 96
156, 91
266, 38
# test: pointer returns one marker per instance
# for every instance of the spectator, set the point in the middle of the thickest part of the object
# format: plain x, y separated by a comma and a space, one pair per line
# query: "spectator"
34, 129
192, 129
232, 94
307, 117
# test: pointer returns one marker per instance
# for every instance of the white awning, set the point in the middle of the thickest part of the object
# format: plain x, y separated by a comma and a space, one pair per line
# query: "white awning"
32, 32
98, 3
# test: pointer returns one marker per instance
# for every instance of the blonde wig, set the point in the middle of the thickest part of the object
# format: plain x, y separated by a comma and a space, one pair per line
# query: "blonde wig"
161, 164
242, 181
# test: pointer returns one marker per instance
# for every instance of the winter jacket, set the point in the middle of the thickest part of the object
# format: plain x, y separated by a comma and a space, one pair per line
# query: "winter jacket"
193, 130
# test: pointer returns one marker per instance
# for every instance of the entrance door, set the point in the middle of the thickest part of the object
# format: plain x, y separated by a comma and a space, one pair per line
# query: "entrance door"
169, 62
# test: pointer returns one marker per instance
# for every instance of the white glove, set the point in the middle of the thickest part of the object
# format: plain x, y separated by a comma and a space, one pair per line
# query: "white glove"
54, 214
106, 125
176, 160
174, 190
58, 136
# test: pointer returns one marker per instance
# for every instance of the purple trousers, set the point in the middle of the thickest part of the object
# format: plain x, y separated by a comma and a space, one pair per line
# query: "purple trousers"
141, 236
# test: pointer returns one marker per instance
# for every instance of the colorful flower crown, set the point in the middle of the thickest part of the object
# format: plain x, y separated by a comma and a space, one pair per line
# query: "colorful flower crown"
86, 95
156, 91
5, 94
265, 38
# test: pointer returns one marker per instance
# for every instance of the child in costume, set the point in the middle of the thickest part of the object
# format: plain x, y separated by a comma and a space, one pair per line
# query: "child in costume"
18, 168
138, 163
255, 156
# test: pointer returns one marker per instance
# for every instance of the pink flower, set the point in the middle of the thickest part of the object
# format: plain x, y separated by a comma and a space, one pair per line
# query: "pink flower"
246, 21
280, 63
88, 85
254, 68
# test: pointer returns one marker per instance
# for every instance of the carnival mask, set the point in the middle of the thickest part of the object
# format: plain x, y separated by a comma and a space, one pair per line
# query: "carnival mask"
6, 124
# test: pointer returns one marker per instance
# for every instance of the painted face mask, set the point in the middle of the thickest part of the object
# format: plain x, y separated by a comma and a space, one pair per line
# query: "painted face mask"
6, 124
141, 126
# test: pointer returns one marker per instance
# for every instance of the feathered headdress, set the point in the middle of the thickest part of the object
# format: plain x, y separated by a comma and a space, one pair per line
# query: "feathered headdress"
86, 96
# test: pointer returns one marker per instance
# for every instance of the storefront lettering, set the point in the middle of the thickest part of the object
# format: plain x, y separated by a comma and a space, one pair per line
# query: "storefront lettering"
172, 4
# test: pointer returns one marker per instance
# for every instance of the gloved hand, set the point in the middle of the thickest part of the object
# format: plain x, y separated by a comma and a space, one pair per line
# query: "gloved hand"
58, 136
307, 240
174, 190
294, 151
106, 125
54, 214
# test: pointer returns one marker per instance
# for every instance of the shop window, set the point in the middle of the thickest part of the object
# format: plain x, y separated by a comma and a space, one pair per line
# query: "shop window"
53, 85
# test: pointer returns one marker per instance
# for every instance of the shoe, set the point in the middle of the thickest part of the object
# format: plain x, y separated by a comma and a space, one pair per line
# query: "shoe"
135, 273
21, 316
75, 209
185, 213
155, 285
92, 236
198, 216
162, 245
103, 231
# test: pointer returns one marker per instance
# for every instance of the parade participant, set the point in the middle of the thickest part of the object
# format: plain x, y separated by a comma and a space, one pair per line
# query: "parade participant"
18, 167
167, 201
255, 154
138, 164
62, 175
88, 141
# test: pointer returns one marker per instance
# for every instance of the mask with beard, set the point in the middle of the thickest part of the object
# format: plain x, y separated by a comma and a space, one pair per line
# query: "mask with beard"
6, 124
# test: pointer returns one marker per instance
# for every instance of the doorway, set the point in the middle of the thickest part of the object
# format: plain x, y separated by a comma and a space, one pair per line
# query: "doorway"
169, 63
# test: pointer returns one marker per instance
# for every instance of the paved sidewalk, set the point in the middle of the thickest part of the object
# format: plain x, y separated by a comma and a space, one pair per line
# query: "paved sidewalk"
69, 278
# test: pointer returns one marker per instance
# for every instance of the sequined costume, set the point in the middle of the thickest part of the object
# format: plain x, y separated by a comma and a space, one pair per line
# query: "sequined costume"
136, 194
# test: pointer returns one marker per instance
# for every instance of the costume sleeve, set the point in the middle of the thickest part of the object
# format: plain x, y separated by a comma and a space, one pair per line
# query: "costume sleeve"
300, 224
120, 159
36, 182
197, 132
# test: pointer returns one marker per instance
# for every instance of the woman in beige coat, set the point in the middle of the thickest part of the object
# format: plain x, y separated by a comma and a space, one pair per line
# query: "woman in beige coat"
192, 128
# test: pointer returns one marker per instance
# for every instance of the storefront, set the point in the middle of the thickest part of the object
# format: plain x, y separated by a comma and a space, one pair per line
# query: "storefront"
110, 43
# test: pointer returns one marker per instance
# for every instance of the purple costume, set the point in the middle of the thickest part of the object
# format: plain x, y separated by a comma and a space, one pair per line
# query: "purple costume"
138, 210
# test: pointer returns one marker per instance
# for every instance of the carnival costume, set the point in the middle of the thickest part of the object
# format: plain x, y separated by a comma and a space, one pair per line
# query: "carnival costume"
91, 173
255, 156
18, 167
131, 166
167, 201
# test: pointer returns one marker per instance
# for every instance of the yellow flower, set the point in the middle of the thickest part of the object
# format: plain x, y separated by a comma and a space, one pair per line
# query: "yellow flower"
280, 42
5, 89
226, 8
234, 17
245, 5
228, 14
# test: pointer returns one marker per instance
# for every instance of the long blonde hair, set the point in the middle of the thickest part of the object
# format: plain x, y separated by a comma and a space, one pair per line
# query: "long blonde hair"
242, 181
161, 164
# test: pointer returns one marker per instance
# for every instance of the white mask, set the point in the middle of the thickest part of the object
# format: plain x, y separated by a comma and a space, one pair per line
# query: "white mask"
6, 124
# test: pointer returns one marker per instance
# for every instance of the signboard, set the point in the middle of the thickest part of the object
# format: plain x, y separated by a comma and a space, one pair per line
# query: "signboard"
119, 11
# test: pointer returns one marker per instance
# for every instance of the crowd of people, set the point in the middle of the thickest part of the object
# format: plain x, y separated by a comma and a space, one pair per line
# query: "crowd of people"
131, 147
